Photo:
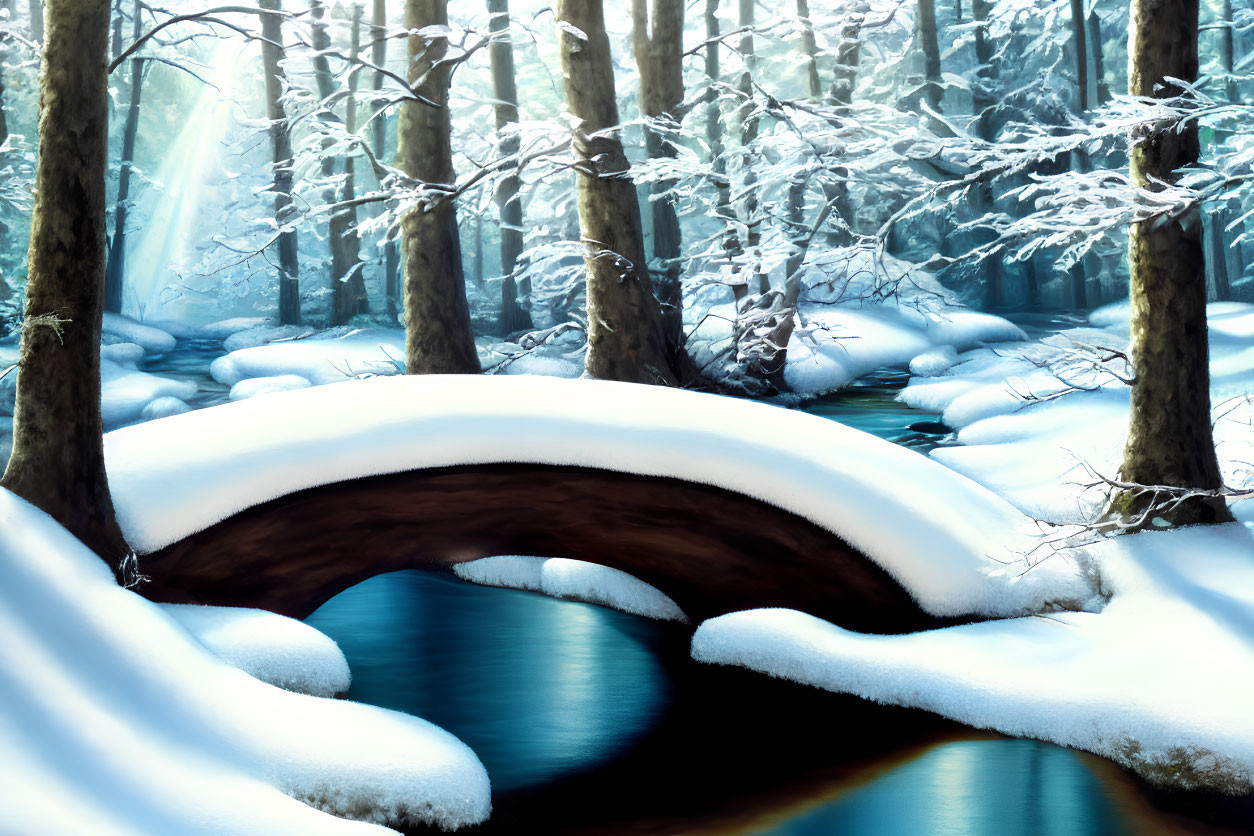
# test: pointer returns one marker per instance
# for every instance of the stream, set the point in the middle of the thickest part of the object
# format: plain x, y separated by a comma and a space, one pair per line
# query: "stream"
590, 721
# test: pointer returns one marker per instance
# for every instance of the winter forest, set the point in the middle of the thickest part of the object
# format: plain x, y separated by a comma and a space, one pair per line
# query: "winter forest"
710, 417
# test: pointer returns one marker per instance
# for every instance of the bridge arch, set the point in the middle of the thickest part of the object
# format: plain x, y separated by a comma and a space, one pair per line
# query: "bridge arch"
711, 550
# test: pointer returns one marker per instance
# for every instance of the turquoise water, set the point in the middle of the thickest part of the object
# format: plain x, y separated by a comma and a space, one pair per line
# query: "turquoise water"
591, 721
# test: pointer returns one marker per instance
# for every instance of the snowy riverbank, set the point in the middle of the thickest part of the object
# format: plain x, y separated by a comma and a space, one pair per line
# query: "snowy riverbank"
1157, 680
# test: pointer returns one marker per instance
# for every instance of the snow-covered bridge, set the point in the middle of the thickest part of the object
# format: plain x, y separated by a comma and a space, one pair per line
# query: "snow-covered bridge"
280, 502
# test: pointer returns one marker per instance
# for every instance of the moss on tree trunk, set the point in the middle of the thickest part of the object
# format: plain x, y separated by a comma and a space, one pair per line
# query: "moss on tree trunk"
58, 451
625, 340
438, 336
1169, 434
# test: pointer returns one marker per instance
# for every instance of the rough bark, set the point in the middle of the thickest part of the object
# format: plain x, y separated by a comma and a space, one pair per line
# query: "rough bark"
658, 39
281, 139
711, 550
930, 45
773, 357
438, 336
625, 340
58, 450
809, 49
115, 272
509, 204
379, 57
1169, 434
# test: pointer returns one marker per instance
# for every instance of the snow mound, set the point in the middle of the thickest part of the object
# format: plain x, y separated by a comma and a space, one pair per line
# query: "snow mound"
576, 580
954, 545
225, 328
274, 648
934, 362
264, 333
1157, 681
126, 392
123, 354
840, 344
320, 360
112, 714
123, 329
163, 408
254, 386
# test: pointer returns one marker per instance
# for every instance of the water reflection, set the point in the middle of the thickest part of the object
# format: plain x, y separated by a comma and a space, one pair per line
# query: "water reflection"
975, 787
536, 687
593, 722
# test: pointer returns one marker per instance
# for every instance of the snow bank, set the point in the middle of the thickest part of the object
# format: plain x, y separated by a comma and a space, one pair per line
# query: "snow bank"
1158, 681
1038, 452
326, 358
954, 545
254, 386
263, 333
576, 580
123, 329
114, 719
123, 354
163, 407
126, 392
274, 648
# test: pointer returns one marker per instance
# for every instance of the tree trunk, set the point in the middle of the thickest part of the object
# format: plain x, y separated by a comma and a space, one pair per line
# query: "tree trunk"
983, 99
348, 284
659, 48
1079, 41
1227, 52
773, 356
1101, 93
438, 336
714, 132
379, 57
1169, 434
1217, 257
348, 288
930, 44
58, 449
505, 89
115, 272
809, 48
280, 136
37, 21
625, 340
848, 57
748, 133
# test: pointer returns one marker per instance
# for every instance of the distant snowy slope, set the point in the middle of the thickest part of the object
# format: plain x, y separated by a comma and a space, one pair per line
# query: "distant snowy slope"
951, 543
115, 720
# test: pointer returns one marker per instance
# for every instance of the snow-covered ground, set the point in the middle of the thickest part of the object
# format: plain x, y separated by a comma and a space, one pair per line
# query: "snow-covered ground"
1159, 678
959, 552
273, 648
115, 719
1038, 453
575, 580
